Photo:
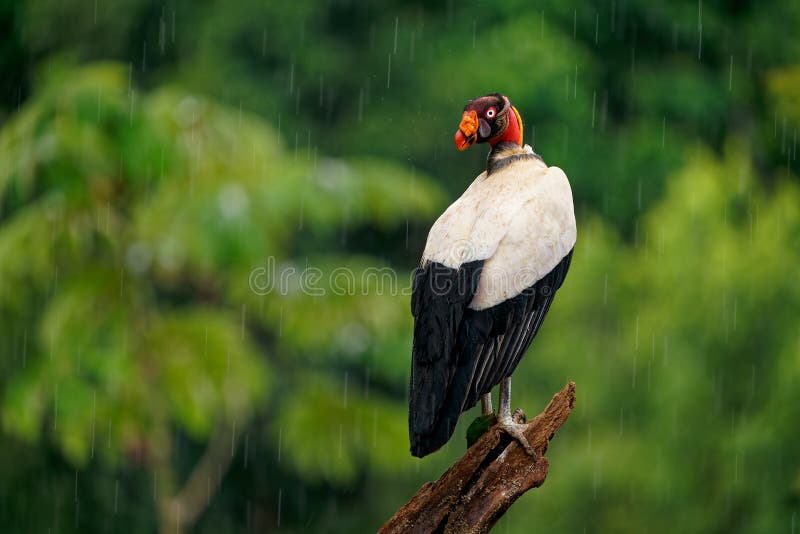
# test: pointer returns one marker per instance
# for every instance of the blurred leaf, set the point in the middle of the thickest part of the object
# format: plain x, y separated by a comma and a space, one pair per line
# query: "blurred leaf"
328, 434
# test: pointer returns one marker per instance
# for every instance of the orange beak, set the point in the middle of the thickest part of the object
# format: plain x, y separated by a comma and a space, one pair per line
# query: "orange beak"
467, 132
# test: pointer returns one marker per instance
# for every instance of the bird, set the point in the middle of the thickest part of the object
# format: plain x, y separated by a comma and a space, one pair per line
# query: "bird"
492, 264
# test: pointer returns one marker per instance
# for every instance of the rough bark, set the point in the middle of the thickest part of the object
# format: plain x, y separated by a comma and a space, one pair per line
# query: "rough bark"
478, 489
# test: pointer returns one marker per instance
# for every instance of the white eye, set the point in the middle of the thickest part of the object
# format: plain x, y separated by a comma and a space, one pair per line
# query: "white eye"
490, 113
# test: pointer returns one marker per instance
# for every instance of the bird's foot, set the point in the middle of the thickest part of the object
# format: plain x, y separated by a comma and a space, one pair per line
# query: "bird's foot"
515, 430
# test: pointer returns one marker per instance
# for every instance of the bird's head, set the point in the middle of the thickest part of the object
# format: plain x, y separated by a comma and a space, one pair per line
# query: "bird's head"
489, 119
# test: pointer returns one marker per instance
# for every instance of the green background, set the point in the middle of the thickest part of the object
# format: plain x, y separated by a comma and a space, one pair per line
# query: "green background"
152, 155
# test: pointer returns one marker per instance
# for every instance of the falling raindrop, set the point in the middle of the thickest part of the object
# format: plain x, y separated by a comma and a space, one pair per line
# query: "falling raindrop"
396, 25
730, 75
94, 412
596, 477
575, 84
699, 29
474, 31
233, 437
574, 23
280, 499
596, 26
132, 106
541, 26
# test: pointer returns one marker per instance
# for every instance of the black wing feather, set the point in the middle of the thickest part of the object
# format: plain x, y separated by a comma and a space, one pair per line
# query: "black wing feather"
439, 299
459, 353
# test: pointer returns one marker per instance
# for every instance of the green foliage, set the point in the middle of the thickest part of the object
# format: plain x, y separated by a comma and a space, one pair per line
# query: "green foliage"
103, 347
128, 239
350, 434
478, 427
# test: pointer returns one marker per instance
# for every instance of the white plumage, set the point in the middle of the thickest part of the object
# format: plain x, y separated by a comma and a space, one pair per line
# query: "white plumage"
520, 219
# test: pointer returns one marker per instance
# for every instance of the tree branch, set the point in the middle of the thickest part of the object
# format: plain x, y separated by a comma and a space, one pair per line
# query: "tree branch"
180, 511
478, 489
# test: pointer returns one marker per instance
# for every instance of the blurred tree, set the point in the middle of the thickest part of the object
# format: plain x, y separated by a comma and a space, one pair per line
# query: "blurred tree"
130, 227
618, 93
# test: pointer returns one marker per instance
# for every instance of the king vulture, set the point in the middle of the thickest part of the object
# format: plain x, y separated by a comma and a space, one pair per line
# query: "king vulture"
491, 267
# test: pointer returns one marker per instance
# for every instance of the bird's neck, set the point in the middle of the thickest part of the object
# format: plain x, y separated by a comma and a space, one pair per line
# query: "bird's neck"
513, 133
506, 153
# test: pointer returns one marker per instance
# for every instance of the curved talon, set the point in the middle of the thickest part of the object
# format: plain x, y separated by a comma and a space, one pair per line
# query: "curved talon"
515, 430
